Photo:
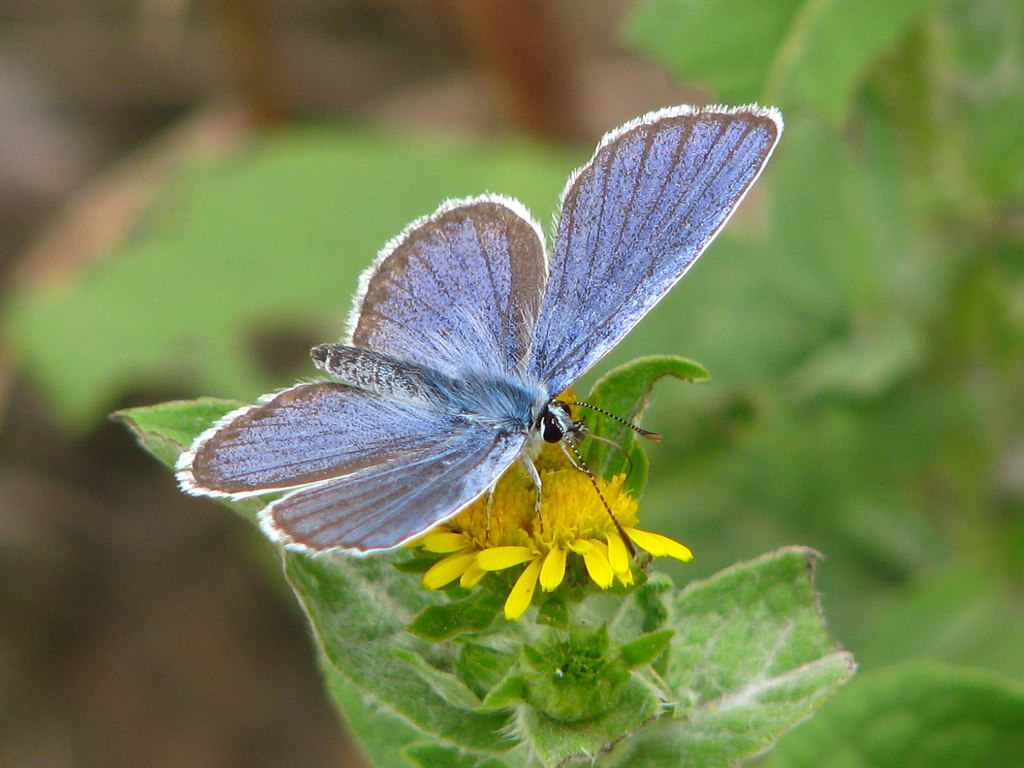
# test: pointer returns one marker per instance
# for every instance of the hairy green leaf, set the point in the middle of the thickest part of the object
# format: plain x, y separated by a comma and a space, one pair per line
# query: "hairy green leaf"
749, 659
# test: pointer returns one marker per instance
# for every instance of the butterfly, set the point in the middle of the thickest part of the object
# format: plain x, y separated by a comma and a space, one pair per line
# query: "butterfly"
464, 330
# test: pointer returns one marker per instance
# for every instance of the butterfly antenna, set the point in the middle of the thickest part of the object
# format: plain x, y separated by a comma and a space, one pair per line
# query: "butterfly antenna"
639, 430
581, 465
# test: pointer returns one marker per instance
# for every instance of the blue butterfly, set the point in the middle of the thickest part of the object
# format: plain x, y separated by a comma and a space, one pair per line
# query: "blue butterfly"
464, 330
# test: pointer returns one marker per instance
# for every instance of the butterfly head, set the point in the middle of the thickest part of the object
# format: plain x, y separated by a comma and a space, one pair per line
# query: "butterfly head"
555, 422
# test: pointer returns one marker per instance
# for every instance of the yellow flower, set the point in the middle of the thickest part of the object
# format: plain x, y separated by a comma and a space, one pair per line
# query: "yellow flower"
572, 521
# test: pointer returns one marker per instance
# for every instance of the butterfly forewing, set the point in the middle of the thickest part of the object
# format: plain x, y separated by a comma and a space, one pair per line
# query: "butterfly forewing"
458, 289
634, 219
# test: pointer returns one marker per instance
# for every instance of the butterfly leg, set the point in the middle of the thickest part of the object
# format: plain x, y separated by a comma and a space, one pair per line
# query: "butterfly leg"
534, 475
487, 511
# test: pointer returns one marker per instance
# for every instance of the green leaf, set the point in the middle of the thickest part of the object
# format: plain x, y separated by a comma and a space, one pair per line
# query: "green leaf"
951, 614
381, 734
556, 742
841, 235
445, 684
624, 391
750, 658
829, 48
506, 693
167, 429
913, 716
646, 649
792, 53
417, 564
473, 613
271, 237
360, 609
438, 756
554, 612
646, 611
481, 667
751, 622
982, 46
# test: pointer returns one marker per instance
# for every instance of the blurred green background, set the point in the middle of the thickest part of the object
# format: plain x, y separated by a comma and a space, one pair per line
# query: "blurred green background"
191, 191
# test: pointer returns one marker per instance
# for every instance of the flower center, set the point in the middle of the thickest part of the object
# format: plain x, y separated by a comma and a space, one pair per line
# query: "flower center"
570, 507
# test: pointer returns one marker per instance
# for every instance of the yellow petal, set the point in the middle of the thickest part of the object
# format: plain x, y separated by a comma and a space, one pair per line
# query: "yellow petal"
522, 591
499, 558
658, 545
580, 546
448, 570
618, 555
595, 557
472, 575
553, 570
444, 542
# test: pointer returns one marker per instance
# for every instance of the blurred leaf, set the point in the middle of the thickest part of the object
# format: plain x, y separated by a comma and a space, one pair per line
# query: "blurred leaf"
913, 716
865, 366
646, 649
729, 44
955, 615
829, 47
842, 236
984, 40
792, 53
276, 234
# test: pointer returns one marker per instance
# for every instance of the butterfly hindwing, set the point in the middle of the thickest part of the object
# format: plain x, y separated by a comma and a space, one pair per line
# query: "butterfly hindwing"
396, 499
361, 471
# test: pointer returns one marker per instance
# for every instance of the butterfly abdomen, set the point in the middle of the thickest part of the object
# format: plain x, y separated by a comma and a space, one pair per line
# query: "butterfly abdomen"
501, 402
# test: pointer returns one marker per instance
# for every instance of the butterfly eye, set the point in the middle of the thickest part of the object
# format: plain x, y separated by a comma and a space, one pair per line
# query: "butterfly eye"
551, 428
555, 422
